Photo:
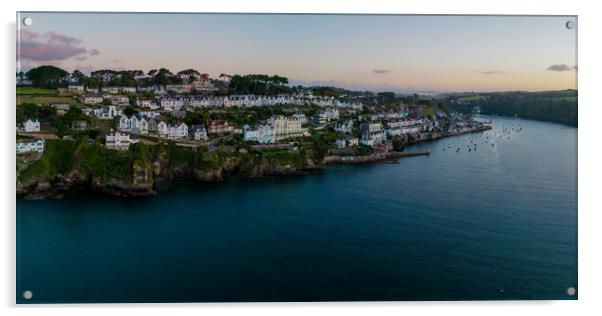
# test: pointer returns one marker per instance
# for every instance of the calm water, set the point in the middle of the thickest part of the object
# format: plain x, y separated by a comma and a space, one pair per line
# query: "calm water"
496, 223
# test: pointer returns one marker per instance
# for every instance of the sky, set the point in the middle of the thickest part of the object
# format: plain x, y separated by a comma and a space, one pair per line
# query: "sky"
362, 52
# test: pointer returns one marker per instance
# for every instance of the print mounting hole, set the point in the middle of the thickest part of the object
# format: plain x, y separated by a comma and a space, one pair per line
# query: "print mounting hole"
27, 295
570, 25
571, 291
27, 21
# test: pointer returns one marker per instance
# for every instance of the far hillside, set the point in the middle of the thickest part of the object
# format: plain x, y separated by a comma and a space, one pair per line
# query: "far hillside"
552, 106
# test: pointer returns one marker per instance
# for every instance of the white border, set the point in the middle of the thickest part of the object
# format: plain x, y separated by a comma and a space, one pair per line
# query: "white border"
589, 165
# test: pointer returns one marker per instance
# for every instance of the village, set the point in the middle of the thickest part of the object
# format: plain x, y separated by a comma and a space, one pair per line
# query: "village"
192, 113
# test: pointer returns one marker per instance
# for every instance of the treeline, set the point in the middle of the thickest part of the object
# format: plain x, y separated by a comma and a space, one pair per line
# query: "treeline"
554, 106
258, 84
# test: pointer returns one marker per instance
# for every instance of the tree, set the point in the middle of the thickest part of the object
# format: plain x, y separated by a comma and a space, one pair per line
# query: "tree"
399, 143
192, 118
259, 84
47, 76
78, 75
130, 110
163, 77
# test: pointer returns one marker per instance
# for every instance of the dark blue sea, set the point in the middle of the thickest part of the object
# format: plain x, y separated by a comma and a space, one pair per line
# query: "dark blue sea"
498, 222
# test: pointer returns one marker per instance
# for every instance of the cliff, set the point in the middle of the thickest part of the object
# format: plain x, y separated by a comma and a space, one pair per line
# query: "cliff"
139, 171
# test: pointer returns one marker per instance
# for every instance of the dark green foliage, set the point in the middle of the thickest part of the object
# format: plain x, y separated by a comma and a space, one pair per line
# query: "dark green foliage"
362, 150
62, 124
259, 84
48, 77
327, 91
164, 77
283, 157
98, 161
399, 143
387, 98
192, 118
552, 106
130, 110
57, 159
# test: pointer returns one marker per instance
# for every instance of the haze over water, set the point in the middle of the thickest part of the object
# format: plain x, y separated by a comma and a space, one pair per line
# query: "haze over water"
496, 223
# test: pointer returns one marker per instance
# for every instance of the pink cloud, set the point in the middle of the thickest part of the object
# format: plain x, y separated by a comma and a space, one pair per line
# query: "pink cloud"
54, 37
52, 46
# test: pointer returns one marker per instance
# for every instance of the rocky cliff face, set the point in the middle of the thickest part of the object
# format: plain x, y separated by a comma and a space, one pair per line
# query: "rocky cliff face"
146, 178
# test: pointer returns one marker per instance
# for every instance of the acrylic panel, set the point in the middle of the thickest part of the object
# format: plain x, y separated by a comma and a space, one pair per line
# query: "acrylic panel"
190, 157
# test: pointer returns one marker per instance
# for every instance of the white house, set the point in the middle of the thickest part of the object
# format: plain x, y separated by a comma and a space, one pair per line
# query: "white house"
113, 90
118, 140
172, 131
34, 145
300, 116
327, 115
199, 132
344, 127
75, 88
133, 124
160, 127
177, 131
171, 103
366, 128
30, 126
120, 100
147, 103
107, 112
143, 126
93, 99
373, 138
128, 90
263, 134
347, 142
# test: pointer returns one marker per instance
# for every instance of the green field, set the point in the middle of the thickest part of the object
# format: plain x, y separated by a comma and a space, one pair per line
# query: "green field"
35, 91
103, 125
37, 99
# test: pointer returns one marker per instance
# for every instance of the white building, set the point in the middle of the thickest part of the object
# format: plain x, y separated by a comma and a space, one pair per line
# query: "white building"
178, 88
401, 127
199, 132
263, 134
172, 103
112, 90
34, 145
300, 116
344, 127
150, 114
120, 100
285, 127
347, 142
93, 99
128, 90
172, 131
108, 112
133, 124
370, 127
372, 133
147, 103
31, 126
75, 88
326, 115
118, 140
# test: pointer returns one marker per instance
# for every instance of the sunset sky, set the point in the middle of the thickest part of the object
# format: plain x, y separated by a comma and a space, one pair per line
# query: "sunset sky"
393, 53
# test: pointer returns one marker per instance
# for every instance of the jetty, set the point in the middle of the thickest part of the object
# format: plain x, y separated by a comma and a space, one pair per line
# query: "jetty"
376, 157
